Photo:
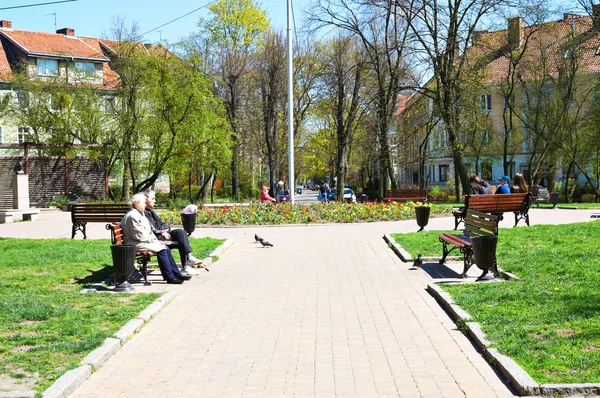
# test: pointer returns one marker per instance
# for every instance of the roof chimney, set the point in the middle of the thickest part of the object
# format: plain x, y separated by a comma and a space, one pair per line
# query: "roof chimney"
516, 32
5, 24
66, 31
596, 16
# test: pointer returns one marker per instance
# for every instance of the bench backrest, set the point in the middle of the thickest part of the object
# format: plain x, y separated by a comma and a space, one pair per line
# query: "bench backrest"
480, 224
498, 203
407, 193
98, 212
116, 233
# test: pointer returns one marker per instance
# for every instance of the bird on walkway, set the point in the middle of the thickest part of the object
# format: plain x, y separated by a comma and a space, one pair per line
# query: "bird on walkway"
418, 262
257, 238
265, 243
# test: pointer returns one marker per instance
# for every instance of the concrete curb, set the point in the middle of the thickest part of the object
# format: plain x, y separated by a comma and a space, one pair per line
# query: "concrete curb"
406, 256
101, 354
69, 382
516, 376
221, 249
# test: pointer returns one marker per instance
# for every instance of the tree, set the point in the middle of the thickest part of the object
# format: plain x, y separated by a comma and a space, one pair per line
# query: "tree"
233, 35
440, 30
382, 32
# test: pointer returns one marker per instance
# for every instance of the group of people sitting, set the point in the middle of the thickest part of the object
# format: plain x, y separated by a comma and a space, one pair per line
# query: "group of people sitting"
481, 187
143, 228
280, 195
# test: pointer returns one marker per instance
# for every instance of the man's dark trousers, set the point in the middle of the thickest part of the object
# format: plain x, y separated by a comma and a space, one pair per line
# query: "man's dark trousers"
180, 237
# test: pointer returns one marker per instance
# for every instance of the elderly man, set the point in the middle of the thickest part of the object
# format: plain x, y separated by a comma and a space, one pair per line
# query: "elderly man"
164, 233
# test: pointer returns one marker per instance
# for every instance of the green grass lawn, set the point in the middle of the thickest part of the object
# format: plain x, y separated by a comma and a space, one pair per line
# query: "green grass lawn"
46, 325
549, 320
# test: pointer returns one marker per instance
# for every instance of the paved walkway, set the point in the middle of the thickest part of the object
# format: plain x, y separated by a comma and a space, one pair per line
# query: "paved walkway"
328, 311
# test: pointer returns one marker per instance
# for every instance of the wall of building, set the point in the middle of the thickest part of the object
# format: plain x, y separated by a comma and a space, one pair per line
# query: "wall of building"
47, 179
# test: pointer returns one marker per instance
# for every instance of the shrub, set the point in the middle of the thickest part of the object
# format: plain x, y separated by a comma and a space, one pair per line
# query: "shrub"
437, 194
224, 192
588, 198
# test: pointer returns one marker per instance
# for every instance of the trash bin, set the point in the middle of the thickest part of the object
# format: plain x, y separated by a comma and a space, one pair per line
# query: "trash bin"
189, 222
554, 198
123, 265
484, 251
422, 214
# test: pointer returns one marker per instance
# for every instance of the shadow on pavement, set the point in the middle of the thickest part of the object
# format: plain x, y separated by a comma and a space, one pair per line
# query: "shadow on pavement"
439, 271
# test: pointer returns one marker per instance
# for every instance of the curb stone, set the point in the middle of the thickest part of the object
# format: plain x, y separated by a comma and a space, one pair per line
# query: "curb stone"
155, 307
221, 249
68, 382
406, 256
72, 379
516, 376
101, 354
129, 329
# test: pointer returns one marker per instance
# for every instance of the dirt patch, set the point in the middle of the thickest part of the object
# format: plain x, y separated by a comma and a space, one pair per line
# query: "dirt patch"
25, 323
26, 381
22, 348
565, 332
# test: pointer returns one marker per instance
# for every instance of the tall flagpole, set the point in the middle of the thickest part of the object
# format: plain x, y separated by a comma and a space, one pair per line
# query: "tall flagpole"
291, 179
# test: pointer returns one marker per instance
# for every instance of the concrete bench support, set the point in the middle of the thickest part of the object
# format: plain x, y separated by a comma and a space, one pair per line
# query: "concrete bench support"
8, 216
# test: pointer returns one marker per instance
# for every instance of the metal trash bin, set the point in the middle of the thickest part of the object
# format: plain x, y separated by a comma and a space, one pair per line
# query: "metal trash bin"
484, 251
188, 221
123, 257
422, 215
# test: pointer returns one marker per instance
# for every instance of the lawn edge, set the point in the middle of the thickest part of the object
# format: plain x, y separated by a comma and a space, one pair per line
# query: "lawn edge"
516, 376
406, 256
72, 379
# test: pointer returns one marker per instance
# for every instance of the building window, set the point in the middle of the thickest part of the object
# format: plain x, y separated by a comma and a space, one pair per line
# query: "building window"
486, 137
47, 67
486, 171
24, 134
85, 69
485, 104
444, 172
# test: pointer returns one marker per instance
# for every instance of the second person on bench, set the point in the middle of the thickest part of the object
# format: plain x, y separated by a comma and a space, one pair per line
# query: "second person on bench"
164, 233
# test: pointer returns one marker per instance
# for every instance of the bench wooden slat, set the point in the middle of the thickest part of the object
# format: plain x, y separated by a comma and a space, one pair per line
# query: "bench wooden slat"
83, 213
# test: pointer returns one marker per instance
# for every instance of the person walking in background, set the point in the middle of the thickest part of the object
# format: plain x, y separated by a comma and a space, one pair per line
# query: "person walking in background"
480, 187
503, 187
323, 192
518, 184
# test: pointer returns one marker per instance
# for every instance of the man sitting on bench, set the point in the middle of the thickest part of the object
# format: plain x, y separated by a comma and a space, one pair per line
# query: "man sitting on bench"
164, 233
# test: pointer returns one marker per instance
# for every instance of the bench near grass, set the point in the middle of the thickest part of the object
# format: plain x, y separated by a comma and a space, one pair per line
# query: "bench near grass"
142, 257
83, 213
7, 215
476, 224
406, 195
519, 203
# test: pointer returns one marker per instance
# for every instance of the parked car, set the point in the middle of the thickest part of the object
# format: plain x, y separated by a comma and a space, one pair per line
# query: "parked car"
349, 195
315, 188
298, 190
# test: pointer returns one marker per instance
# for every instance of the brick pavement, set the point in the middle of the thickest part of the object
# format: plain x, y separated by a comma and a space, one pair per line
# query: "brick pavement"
329, 311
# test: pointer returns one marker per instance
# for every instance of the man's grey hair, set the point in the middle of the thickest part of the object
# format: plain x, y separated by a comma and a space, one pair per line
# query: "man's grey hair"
137, 198
148, 192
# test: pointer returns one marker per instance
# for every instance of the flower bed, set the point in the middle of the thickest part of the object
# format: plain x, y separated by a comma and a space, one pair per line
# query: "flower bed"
262, 214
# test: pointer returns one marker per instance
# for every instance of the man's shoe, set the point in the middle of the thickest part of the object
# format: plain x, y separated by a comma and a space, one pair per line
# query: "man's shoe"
190, 271
184, 277
191, 260
174, 281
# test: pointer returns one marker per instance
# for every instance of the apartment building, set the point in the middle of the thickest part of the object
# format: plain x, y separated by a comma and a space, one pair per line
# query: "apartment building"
516, 69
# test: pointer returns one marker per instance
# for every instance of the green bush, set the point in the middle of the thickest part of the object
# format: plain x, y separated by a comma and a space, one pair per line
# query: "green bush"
224, 192
116, 190
437, 194
588, 198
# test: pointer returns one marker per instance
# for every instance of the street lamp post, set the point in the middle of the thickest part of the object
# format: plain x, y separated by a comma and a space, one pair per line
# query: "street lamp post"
291, 180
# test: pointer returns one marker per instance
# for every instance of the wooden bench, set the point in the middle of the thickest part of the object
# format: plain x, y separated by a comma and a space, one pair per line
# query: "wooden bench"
476, 224
519, 203
405, 195
83, 213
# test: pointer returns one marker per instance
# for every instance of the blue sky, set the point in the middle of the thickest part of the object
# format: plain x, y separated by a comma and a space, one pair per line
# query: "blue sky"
94, 18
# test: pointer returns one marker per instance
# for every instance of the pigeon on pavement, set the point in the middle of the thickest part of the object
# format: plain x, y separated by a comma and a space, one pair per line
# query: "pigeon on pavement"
265, 243
257, 238
418, 262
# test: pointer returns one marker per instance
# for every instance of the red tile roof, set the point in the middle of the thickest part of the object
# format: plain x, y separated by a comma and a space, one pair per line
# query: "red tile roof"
52, 44
547, 38
5, 70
